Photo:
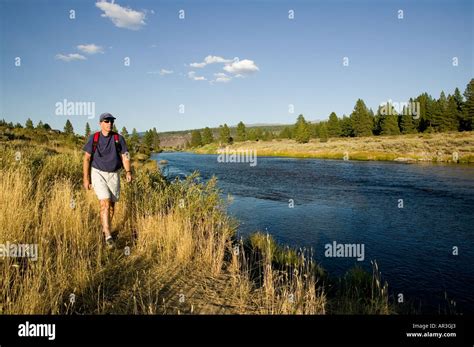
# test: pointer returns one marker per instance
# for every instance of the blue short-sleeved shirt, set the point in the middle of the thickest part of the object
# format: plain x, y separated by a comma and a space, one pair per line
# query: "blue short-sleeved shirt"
105, 157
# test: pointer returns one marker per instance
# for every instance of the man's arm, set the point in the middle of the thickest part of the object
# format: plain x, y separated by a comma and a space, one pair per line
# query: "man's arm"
127, 165
86, 166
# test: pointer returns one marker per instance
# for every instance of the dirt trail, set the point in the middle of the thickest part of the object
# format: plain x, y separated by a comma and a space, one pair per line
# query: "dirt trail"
168, 288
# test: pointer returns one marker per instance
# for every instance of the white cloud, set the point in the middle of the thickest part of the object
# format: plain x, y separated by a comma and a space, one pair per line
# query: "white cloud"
235, 67
192, 75
198, 65
210, 59
70, 57
242, 67
165, 72
221, 77
90, 49
122, 17
161, 72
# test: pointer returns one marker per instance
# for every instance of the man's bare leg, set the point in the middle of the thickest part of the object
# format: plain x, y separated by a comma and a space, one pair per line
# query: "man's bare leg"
105, 217
111, 212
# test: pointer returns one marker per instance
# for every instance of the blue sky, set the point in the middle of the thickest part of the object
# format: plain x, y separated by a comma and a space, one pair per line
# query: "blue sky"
258, 60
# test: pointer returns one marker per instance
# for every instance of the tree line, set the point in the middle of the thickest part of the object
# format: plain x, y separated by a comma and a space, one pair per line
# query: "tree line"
454, 112
149, 142
423, 114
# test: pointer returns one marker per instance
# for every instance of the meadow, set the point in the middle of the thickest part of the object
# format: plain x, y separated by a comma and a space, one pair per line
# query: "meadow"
454, 147
176, 249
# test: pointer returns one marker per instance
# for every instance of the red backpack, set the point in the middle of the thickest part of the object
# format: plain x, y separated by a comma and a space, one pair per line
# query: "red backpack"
118, 146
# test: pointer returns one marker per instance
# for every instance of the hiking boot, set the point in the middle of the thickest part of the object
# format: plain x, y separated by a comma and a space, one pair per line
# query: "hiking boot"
110, 243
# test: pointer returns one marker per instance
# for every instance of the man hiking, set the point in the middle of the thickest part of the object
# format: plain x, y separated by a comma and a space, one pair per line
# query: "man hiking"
105, 153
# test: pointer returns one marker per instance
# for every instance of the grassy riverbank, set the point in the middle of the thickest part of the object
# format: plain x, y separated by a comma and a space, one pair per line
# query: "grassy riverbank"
443, 147
176, 253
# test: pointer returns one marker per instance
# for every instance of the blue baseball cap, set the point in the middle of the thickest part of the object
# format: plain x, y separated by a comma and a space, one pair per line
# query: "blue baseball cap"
106, 116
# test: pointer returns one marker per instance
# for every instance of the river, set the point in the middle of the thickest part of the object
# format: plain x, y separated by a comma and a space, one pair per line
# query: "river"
415, 220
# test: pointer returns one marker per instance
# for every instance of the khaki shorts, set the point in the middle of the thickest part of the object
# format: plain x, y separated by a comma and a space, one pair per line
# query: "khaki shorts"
106, 184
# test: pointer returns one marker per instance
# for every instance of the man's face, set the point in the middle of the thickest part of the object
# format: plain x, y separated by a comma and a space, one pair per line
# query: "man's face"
107, 125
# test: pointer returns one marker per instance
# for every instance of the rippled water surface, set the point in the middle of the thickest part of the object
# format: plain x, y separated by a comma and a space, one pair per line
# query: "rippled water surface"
358, 202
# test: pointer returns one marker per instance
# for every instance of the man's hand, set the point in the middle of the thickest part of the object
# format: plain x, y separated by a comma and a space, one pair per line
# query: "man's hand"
127, 166
87, 184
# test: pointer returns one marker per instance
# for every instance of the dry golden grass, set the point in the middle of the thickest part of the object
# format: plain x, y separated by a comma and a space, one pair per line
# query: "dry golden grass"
175, 250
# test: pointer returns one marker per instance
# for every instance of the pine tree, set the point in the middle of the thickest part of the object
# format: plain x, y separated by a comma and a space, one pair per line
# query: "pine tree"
241, 132
285, 133
388, 120
196, 139
88, 130
362, 122
29, 124
252, 135
412, 110
114, 129
406, 123
430, 114
68, 129
372, 121
314, 130
459, 109
267, 135
334, 126
207, 136
377, 129
40, 125
451, 119
224, 134
258, 134
445, 117
439, 113
156, 140
346, 126
302, 130
148, 140
124, 133
427, 106
468, 111
323, 132
134, 140
390, 125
